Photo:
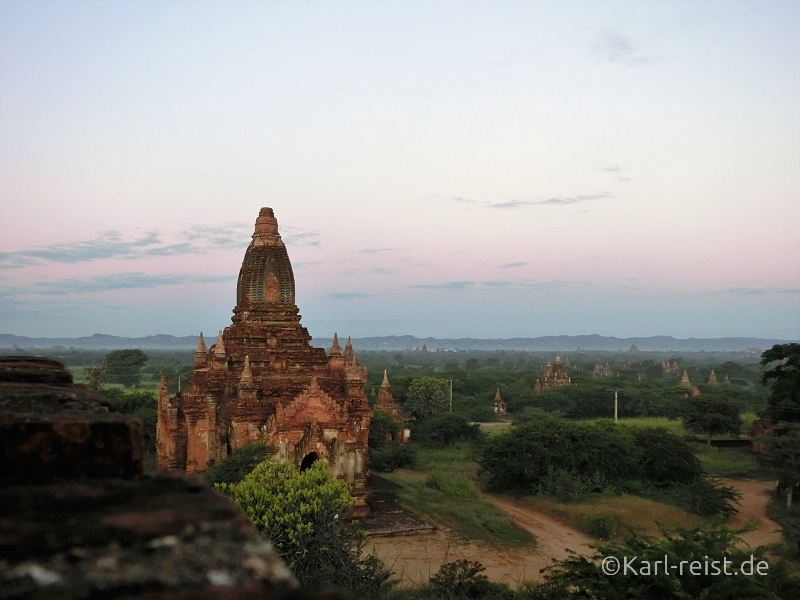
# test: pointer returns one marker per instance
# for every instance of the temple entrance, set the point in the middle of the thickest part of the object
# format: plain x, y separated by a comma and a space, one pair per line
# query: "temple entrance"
309, 460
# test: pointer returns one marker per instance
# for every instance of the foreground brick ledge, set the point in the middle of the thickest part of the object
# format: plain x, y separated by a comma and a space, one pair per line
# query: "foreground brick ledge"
152, 537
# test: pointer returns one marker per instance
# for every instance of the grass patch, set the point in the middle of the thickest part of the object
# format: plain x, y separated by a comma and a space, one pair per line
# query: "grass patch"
443, 490
672, 425
735, 463
456, 503
495, 428
610, 517
455, 460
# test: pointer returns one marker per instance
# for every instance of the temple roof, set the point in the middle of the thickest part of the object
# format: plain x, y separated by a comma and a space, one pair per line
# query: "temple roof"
266, 276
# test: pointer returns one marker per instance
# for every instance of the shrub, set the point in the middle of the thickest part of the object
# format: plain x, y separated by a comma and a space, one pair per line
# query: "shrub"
565, 459
464, 580
583, 577
382, 430
393, 456
239, 463
143, 405
569, 486
604, 527
303, 514
701, 497
523, 457
665, 458
446, 429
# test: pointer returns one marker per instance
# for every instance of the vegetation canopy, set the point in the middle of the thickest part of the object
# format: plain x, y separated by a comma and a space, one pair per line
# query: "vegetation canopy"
304, 515
584, 577
567, 459
125, 366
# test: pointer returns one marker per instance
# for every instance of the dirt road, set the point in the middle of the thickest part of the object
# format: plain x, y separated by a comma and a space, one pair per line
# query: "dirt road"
415, 558
752, 507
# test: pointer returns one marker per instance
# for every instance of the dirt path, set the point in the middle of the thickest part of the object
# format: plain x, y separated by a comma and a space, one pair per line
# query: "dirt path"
752, 507
415, 558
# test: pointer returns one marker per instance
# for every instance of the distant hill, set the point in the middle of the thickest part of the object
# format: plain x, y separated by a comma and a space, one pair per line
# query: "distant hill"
100, 341
561, 343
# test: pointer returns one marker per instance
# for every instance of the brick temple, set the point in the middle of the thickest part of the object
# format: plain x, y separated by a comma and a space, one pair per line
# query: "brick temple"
262, 382
553, 375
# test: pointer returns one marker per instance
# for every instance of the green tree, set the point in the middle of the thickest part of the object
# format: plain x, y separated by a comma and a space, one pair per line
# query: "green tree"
426, 397
125, 366
784, 381
535, 456
783, 447
666, 458
446, 429
94, 377
304, 515
139, 404
711, 416
784, 451
386, 454
239, 463
382, 430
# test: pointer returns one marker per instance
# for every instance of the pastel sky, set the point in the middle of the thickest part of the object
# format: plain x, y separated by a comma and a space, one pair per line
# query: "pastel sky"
484, 169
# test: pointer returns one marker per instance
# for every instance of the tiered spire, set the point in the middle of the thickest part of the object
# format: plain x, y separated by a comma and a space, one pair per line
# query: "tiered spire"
201, 345
219, 348
247, 374
201, 354
335, 350
685, 379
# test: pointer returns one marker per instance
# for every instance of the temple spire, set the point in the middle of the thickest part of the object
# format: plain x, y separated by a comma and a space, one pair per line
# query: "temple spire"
385, 381
247, 374
219, 349
266, 224
348, 348
201, 354
335, 350
201, 345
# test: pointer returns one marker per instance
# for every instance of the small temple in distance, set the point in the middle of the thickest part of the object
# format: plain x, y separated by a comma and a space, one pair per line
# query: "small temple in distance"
553, 375
263, 382
386, 401
498, 404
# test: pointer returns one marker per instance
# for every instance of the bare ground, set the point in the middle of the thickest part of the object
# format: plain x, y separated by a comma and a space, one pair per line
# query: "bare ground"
752, 508
414, 558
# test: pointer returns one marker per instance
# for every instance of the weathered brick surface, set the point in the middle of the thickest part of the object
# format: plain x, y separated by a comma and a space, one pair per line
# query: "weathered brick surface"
147, 538
50, 428
291, 395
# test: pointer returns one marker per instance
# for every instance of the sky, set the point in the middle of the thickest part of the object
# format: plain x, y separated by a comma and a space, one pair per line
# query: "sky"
451, 169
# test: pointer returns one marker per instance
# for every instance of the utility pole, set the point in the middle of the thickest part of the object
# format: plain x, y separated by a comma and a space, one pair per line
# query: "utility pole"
450, 381
616, 403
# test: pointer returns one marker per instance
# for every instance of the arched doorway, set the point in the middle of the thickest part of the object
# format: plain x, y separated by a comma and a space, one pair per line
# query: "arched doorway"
309, 460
